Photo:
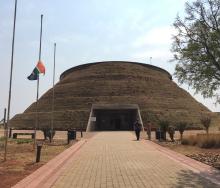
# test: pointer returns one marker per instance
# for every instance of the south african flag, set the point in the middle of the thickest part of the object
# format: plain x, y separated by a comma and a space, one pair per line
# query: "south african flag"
37, 70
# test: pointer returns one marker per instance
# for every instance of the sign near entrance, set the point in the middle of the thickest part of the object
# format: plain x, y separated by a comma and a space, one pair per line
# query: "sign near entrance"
93, 118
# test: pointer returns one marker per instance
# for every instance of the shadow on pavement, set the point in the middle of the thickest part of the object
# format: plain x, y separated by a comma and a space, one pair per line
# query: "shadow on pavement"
187, 178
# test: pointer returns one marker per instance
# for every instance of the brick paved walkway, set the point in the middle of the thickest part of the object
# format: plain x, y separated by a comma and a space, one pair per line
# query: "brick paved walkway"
114, 159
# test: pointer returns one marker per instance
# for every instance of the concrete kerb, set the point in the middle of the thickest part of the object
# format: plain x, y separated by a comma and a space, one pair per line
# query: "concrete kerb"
49, 169
197, 167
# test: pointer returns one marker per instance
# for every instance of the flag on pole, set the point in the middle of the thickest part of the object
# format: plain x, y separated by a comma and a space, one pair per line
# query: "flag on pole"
40, 68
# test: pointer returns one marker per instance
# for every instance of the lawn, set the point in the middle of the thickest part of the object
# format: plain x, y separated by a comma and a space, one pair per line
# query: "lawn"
21, 157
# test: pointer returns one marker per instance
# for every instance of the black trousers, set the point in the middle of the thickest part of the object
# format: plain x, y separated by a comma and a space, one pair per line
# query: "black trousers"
137, 132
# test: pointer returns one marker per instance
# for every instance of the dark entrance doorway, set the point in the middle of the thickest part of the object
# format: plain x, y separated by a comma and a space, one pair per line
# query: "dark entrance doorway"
114, 120
118, 124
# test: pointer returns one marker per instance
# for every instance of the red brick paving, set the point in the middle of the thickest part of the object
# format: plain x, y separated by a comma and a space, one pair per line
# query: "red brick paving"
114, 159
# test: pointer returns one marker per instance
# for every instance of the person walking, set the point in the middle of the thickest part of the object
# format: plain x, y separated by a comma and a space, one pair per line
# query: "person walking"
137, 128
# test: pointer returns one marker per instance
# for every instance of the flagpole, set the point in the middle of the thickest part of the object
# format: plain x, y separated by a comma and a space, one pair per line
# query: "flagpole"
10, 83
5, 133
52, 110
38, 82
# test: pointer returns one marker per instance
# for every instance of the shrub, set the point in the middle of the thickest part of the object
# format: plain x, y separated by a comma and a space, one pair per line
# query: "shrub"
206, 122
203, 140
171, 132
24, 141
2, 138
181, 126
48, 133
209, 141
164, 126
193, 140
185, 141
2, 142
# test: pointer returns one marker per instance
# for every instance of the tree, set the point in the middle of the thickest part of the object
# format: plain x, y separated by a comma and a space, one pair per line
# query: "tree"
48, 133
206, 122
164, 127
196, 47
181, 126
171, 132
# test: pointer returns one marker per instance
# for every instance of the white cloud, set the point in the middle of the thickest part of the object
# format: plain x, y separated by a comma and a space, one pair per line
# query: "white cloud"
156, 54
155, 43
75, 38
156, 36
69, 38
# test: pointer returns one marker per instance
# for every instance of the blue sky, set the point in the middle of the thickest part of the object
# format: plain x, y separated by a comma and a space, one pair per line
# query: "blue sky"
85, 31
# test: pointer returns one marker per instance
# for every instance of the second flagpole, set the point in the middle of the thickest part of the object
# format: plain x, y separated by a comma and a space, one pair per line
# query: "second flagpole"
38, 81
52, 110
10, 84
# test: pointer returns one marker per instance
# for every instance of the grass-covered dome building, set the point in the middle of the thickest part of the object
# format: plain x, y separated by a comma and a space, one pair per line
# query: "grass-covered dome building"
110, 96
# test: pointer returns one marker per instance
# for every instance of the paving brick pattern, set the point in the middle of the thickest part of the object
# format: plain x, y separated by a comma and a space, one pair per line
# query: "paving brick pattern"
115, 159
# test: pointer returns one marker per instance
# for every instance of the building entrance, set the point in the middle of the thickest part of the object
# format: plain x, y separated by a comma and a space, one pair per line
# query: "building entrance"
113, 117
114, 120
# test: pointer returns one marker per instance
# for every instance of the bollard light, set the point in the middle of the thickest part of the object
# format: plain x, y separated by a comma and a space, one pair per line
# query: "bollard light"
39, 146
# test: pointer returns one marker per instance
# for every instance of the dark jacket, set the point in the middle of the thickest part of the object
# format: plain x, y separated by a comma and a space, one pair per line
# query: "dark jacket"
137, 126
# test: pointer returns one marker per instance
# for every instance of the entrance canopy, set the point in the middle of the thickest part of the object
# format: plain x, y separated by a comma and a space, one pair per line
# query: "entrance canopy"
113, 117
